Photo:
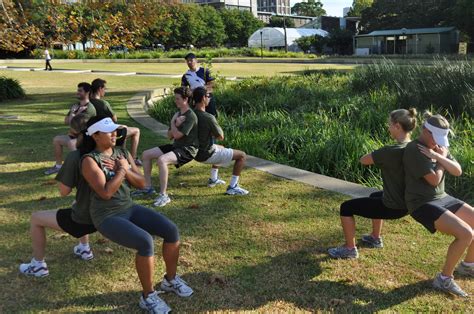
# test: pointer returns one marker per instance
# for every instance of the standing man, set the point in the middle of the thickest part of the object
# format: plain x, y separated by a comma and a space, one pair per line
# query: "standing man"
47, 57
103, 108
85, 108
197, 76
216, 155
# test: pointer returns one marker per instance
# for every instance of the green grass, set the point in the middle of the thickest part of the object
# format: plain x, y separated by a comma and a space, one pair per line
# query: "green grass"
269, 247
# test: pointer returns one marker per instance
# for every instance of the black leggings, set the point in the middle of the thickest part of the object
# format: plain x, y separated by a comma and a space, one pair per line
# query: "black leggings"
371, 207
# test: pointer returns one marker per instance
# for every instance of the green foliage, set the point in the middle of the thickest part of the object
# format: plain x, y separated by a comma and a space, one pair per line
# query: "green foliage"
239, 25
340, 40
277, 21
10, 89
358, 6
309, 8
324, 122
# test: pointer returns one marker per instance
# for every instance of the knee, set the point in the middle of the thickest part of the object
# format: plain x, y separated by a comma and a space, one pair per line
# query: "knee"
172, 234
465, 234
345, 209
57, 140
145, 247
146, 155
161, 162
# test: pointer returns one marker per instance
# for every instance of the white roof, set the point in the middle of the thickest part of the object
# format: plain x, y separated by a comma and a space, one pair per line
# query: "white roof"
275, 36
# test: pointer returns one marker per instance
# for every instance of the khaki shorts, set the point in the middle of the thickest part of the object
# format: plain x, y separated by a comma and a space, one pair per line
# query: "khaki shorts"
221, 157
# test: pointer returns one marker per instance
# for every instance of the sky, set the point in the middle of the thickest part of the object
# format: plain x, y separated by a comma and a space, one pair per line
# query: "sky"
332, 7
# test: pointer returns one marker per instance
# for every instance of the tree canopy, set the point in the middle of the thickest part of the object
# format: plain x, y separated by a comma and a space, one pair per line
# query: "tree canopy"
309, 8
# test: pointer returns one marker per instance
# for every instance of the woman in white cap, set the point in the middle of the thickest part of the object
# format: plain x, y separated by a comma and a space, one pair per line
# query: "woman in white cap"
117, 218
426, 160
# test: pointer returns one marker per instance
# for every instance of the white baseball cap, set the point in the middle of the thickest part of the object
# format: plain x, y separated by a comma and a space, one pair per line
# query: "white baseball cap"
105, 125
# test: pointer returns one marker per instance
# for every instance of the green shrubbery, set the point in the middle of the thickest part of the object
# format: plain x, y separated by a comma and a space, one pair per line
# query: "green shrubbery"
321, 122
10, 89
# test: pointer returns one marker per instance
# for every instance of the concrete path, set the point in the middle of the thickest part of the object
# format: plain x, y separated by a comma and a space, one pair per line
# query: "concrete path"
138, 105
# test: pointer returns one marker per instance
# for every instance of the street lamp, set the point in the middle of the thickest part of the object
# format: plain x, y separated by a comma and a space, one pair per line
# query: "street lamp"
284, 28
261, 43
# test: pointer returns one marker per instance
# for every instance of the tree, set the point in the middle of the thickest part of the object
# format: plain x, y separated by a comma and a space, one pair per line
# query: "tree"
358, 6
340, 41
277, 21
310, 8
239, 25
212, 33
305, 43
462, 16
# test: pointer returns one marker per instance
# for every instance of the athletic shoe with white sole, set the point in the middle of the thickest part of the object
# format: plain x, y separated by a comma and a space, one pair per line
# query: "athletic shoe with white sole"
162, 200
372, 242
143, 192
236, 190
34, 268
465, 270
177, 285
448, 285
154, 304
343, 252
212, 183
52, 170
84, 253
138, 162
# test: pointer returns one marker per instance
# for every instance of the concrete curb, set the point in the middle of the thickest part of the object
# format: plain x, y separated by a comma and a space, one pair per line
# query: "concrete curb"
137, 108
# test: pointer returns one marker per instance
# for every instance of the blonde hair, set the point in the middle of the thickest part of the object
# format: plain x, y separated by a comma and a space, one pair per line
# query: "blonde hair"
436, 120
406, 118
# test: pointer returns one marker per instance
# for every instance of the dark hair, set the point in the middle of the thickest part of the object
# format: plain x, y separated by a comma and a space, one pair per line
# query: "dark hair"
190, 56
88, 143
97, 84
183, 91
198, 94
85, 86
436, 120
406, 118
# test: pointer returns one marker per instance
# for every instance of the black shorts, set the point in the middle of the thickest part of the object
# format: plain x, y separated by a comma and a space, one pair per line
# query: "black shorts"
182, 155
428, 213
121, 137
77, 230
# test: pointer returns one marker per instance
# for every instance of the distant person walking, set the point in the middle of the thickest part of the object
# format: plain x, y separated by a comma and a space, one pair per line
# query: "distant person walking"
47, 58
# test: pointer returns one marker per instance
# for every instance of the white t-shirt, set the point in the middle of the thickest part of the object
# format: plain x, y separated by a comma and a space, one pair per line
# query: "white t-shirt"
47, 56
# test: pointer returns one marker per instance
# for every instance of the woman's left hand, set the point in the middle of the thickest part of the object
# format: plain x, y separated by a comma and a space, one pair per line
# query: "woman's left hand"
121, 162
428, 152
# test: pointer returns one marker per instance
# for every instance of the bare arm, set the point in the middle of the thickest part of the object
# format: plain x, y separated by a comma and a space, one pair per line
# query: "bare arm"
97, 181
175, 133
440, 155
133, 175
367, 159
64, 190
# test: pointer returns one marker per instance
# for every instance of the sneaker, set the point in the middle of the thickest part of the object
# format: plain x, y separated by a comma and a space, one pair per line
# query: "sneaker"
162, 200
154, 304
143, 192
372, 242
212, 183
465, 270
448, 285
35, 269
236, 190
84, 253
52, 170
138, 162
343, 252
178, 286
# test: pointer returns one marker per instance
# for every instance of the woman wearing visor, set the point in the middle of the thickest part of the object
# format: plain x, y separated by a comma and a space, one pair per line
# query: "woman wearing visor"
117, 218
426, 160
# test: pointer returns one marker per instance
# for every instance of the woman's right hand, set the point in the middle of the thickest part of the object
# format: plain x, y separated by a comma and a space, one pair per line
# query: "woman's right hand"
122, 162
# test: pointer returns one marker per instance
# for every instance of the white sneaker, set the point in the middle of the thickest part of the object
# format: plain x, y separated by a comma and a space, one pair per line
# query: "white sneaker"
154, 304
84, 253
162, 200
34, 268
177, 285
212, 183
236, 190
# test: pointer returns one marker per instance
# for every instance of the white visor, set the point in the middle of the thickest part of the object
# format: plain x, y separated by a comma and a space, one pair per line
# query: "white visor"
105, 125
440, 135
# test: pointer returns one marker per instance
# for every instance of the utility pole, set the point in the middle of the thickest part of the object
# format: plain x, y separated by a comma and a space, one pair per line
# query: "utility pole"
284, 27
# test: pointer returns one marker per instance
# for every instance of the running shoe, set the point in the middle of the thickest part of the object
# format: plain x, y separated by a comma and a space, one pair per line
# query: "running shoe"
84, 253
448, 285
143, 192
178, 286
154, 304
212, 183
465, 270
343, 252
34, 268
162, 200
236, 190
138, 162
54, 169
372, 242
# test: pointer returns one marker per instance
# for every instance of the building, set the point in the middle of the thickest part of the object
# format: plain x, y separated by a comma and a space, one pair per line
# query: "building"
331, 23
274, 37
408, 41
280, 7
248, 5
299, 20
345, 11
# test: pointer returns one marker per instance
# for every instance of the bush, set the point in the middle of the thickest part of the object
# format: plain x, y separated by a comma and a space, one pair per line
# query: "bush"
10, 89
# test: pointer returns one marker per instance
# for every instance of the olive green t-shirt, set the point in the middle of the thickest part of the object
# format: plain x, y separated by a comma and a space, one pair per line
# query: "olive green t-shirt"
100, 209
417, 190
189, 128
89, 112
102, 107
70, 175
207, 128
390, 160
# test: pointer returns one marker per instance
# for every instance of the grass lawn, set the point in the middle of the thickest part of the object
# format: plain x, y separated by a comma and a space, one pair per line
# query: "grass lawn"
264, 252
226, 69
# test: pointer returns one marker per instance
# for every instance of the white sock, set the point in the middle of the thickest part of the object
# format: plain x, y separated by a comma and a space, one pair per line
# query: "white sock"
468, 264
37, 262
233, 181
214, 173
445, 277
83, 245
58, 166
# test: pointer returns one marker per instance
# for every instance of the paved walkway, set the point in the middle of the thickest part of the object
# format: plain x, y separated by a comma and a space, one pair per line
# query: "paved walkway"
138, 105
